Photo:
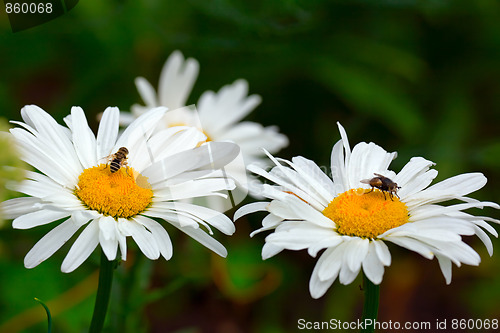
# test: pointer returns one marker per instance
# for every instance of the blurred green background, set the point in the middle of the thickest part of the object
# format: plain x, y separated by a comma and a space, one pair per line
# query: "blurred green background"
418, 77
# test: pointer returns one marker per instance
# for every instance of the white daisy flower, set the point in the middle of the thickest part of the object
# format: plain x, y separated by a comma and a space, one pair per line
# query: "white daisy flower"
354, 221
219, 115
80, 185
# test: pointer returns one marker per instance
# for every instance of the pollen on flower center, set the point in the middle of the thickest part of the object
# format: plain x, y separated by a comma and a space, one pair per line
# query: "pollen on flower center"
113, 194
359, 212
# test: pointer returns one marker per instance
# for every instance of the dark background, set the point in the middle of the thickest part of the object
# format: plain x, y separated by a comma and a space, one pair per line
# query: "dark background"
417, 77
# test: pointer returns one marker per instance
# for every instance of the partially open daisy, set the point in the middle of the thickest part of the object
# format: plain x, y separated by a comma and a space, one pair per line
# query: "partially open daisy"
219, 115
353, 220
177, 78
117, 186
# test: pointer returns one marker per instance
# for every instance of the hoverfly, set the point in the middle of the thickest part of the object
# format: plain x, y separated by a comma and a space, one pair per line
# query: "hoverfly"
118, 159
384, 184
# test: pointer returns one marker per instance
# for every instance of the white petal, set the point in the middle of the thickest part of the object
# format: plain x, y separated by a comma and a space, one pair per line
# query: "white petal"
172, 217
282, 209
208, 158
212, 217
317, 286
176, 80
251, 137
82, 247
427, 211
415, 176
330, 241
164, 210
64, 200
332, 261
142, 237
194, 189
382, 251
269, 250
173, 140
372, 266
458, 252
412, 245
293, 182
483, 224
43, 157
159, 234
345, 141
463, 184
445, 265
45, 185
292, 207
346, 275
367, 159
443, 228
311, 178
164, 144
269, 222
48, 191
338, 163
108, 236
147, 92
50, 243
37, 218
319, 180
228, 106
52, 133
83, 138
107, 133
308, 213
451, 188
294, 235
483, 236
31, 188
250, 208
355, 255
136, 134
416, 185
13, 208
204, 239
122, 240
83, 216
127, 118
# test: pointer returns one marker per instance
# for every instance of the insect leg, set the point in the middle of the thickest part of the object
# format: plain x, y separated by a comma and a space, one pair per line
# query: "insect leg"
125, 164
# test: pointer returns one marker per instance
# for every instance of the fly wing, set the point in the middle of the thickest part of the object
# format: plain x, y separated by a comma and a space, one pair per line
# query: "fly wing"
108, 158
365, 181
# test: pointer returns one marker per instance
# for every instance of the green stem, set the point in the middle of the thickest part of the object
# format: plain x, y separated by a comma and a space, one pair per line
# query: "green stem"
103, 292
370, 308
49, 318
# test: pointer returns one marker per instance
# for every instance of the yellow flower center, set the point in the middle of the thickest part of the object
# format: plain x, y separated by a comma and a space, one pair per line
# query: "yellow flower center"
359, 212
124, 193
